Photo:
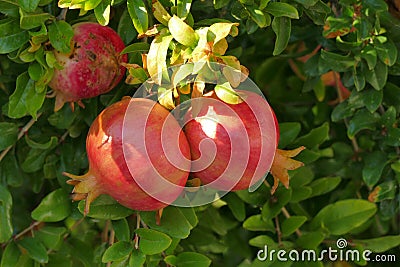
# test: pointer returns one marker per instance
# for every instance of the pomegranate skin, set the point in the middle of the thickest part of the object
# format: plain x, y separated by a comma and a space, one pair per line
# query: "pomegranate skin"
253, 129
108, 165
93, 65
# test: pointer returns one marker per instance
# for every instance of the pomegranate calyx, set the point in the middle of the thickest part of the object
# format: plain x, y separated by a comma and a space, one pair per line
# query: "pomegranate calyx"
85, 187
282, 163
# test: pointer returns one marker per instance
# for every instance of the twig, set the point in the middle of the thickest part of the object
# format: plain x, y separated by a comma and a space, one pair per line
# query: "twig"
341, 99
63, 14
278, 230
111, 240
26, 230
137, 227
20, 135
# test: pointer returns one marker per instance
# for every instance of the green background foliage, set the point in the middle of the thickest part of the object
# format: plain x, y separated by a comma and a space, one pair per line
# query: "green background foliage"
342, 103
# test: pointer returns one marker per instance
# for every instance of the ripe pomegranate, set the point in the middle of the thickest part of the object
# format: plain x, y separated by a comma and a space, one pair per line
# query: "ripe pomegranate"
92, 67
118, 160
244, 137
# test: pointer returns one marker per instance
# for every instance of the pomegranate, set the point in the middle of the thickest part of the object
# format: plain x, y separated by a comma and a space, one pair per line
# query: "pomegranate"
243, 148
92, 67
245, 139
118, 161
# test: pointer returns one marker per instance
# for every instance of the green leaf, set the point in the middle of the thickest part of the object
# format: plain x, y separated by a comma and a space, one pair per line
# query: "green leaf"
344, 215
160, 13
260, 18
59, 259
379, 244
318, 12
175, 222
117, 251
291, 224
288, 133
29, 5
48, 145
136, 48
138, 12
261, 241
35, 249
10, 255
183, 8
372, 99
336, 62
387, 52
10, 170
9, 134
324, 185
310, 240
192, 259
11, 41
6, 228
227, 94
106, 208
362, 120
370, 56
121, 229
280, 9
51, 236
236, 205
315, 137
256, 223
182, 32
272, 208
156, 58
54, 207
32, 20
282, 27
152, 242
385, 190
359, 79
378, 76
301, 193
102, 12
60, 36
374, 163
307, 3
126, 29
137, 259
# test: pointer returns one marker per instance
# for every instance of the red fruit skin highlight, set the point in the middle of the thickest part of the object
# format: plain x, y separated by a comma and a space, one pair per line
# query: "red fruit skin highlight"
93, 65
260, 138
108, 166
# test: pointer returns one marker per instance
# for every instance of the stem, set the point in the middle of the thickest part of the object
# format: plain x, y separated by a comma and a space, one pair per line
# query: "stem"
278, 230
63, 14
21, 133
137, 227
26, 230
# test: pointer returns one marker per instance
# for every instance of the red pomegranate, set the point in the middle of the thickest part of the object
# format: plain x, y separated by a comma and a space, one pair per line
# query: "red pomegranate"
126, 152
232, 145
92, 67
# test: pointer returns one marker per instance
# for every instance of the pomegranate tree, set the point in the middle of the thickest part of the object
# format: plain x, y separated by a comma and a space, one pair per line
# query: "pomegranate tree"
92, 67
116, 172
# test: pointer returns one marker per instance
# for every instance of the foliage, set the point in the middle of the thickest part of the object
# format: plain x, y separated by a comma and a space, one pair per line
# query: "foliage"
330, 70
